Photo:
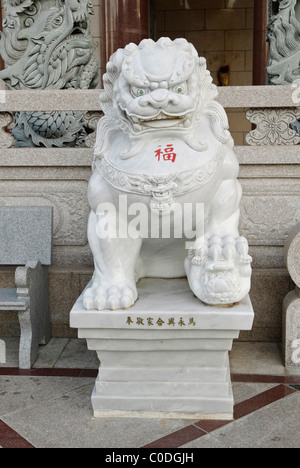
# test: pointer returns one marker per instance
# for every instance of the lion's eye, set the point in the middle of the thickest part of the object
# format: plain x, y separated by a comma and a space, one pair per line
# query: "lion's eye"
180, 89
139, 92
57, 21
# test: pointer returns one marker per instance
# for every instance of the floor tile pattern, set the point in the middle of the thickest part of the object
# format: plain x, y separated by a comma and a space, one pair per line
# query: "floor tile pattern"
50, 407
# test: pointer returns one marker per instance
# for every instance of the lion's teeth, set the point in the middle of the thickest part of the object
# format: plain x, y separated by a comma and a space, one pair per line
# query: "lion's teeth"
162, 117
138, 127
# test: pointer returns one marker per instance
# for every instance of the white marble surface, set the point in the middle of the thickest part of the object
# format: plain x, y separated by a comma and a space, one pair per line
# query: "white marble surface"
164, 145
166, 299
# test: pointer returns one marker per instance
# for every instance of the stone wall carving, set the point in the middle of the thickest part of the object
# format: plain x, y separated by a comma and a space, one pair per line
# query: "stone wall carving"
48, 45
267, 217
91, 119
6, 140
273, 126
283, 35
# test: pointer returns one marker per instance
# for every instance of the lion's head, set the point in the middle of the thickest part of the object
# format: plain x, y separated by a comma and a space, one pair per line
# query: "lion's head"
159, 87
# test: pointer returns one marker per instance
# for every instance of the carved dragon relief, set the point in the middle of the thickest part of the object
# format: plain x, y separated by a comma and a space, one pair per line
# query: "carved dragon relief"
283, 35
47, 44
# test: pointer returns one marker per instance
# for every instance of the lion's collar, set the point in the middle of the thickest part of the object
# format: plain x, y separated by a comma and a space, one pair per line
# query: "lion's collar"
176, 184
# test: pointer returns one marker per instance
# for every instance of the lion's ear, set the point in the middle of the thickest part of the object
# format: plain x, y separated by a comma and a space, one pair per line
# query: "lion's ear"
131, 48
113, 70
118, 59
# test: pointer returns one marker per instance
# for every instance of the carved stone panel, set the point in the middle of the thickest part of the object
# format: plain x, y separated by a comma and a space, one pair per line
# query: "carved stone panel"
273, 126
48, 45
91, 120
269, 210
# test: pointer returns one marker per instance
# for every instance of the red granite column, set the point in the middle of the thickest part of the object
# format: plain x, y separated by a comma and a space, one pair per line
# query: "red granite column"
260, 46
123, 21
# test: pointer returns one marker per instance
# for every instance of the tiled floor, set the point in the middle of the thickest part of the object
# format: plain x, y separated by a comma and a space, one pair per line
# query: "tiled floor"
50, 406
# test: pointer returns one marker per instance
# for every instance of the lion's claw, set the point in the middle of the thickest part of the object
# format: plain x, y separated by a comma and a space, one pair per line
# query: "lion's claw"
112, 298
219, 270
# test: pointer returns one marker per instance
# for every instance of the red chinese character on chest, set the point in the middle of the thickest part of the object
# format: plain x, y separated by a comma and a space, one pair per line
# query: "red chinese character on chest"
168, 154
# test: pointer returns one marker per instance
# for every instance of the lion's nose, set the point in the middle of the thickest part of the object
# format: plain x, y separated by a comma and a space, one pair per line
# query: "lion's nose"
158, 97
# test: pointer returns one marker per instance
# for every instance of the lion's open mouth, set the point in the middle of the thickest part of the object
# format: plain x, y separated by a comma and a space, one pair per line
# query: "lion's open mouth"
80, 28
161, 120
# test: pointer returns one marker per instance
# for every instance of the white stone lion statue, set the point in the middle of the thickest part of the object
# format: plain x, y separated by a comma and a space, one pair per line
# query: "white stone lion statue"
163, 144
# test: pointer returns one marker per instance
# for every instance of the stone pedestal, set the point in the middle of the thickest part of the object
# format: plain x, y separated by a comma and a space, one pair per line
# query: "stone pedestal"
167, 356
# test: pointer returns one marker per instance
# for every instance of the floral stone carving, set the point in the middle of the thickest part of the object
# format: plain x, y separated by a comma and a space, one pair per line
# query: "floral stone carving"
47, 44
164, 145
273, 126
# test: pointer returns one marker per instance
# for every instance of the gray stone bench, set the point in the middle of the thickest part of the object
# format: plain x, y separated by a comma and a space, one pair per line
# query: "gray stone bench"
26, 239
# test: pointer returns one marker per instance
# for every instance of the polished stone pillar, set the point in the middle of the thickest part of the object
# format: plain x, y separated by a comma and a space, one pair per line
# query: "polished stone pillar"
123, 21
260, 46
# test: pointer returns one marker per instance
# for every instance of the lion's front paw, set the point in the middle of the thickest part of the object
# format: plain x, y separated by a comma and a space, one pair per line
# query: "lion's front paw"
219, 270
113, 297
